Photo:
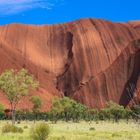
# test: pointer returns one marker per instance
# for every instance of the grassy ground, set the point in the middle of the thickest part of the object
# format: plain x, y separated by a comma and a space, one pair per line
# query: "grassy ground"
81, 131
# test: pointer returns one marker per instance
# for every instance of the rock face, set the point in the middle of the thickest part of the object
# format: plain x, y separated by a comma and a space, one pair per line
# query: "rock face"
90, 60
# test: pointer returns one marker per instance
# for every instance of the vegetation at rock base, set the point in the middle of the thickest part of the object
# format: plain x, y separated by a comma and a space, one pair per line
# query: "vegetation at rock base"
66, 109
36, 101
15, 85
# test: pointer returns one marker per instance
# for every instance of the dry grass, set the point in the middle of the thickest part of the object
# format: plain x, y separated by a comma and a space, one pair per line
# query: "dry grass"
82, 131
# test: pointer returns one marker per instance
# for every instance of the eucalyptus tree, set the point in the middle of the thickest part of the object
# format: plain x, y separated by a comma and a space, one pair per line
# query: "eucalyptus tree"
36, 101
15, 85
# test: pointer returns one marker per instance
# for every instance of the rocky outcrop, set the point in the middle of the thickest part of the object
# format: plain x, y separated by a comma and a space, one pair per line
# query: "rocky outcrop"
90, 60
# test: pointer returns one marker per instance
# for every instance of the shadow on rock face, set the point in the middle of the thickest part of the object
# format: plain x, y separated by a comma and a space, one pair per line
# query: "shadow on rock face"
130, 87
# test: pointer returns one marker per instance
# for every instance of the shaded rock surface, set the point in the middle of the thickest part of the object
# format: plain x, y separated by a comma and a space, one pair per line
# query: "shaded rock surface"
90, 60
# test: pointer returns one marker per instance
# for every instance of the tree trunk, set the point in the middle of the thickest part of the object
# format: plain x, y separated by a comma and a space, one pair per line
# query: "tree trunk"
66, 117
13, 117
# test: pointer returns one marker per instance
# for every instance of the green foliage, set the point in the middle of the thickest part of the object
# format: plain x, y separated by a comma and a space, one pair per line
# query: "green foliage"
15, 85
25, 127
114, 111
116, 135
40, 132
29, 115
105, 114
67, 109
78, 111
9, 128
92, 129
91, 114
56, 109
2, 113
136, 112
128, 114
2, 108
136, 109
36, 101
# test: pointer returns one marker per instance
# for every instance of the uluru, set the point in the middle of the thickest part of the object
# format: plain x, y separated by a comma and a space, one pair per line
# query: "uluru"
90, 60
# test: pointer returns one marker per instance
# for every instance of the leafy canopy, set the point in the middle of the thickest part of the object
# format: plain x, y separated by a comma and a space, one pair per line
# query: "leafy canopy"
16, 84
36, 101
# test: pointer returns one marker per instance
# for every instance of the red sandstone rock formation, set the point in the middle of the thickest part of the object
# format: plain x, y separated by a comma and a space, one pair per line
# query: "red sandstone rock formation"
90, 60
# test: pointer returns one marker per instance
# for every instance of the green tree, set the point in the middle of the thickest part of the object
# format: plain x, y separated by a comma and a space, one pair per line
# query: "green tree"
78, 111
67, 105
67, 109
136, 112
56, 109
116, 111
105, 114
91, 114
36, 101
128, 114
15, 85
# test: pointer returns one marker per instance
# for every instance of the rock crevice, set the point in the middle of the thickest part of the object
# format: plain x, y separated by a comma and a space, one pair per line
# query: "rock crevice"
90, 60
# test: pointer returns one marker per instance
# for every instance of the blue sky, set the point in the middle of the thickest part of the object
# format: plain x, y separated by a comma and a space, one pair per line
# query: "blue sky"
57, 11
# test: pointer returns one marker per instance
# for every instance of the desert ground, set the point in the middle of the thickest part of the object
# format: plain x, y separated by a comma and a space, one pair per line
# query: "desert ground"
80, 131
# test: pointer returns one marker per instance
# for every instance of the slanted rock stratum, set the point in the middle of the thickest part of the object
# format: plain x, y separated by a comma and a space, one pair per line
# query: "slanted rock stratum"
90, 60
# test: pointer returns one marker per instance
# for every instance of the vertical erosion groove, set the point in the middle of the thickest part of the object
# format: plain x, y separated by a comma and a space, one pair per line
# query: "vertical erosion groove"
89, 60
130, 87
69, 44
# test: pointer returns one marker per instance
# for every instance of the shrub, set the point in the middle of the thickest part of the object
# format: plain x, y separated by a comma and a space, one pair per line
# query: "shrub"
135, 112
11, 128
116, 135
18, 122
25, 127
40, 132
92, 129
113, 111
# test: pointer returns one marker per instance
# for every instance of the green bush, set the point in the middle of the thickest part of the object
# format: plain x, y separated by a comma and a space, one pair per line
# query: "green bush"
92, 129
40, 132
9, 128
116, 135
18, 122
25, 127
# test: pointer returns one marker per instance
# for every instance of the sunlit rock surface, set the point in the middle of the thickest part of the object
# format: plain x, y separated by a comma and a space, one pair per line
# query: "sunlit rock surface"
90, 60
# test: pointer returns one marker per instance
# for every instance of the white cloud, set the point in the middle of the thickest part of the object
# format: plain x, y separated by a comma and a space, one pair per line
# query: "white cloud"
9, 7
